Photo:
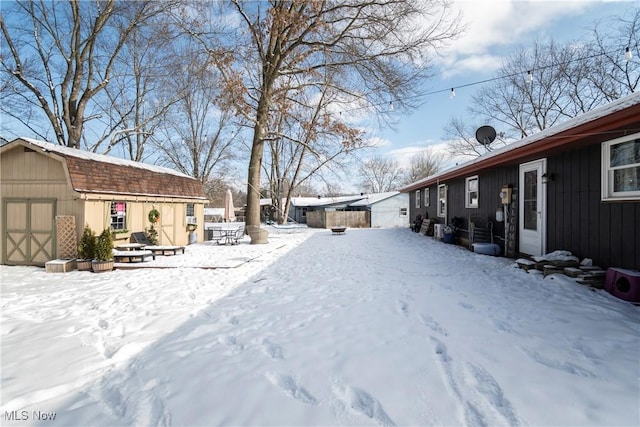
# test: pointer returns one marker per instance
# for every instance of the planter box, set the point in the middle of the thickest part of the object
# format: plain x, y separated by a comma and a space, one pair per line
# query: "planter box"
60, 265
101, 266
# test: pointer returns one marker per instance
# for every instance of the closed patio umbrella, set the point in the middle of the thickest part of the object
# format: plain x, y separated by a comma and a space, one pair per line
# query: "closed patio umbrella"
229, 211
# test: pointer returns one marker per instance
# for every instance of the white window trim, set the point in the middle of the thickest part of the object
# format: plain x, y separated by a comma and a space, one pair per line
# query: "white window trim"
467, 203
426, 197
607, 193
403, 212
417, 198
442, 214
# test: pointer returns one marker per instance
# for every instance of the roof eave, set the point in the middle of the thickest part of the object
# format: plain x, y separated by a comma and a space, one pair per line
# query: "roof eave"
569, 137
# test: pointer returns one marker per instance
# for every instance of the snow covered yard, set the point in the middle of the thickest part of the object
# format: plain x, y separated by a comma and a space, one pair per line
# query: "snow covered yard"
374, 327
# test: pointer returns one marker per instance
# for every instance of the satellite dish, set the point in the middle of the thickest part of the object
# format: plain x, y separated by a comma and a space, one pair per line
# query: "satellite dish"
485, 135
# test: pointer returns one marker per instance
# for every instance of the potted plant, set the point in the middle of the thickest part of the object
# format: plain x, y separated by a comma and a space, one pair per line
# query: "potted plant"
104, 253
86, 249
152, 235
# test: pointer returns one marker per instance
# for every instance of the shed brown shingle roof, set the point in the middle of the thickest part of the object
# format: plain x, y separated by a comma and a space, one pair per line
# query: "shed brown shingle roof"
97, 173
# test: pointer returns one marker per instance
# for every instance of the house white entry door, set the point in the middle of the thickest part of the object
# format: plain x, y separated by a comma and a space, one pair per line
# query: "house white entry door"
533, 208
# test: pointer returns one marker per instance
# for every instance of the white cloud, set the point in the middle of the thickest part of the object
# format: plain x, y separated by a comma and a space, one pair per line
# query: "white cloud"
492, 24
376, 141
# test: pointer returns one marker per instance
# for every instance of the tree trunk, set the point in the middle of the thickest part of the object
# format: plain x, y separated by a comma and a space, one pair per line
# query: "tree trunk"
252, 214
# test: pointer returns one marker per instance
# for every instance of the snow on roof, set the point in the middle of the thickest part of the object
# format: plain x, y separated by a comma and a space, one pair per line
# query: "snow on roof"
322, 201
88, 155
596, 113
213, 211
371, 199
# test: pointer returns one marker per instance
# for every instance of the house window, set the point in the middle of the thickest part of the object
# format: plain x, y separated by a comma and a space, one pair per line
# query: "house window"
471, 192
442, 200
426, 197
118, 216
417, 198
621, 168
403, 211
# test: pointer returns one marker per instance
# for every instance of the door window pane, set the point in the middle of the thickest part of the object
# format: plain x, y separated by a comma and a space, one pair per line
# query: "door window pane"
531, 200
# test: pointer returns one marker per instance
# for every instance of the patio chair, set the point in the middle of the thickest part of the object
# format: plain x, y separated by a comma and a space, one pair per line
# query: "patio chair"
140, 237
239, 235
480, 231
217, 235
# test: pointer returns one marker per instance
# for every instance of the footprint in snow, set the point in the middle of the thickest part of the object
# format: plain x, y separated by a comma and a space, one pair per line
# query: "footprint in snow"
403, 307
272, 350
363, 403
433, 324
489, 387
290, 387
231, 342
561, 365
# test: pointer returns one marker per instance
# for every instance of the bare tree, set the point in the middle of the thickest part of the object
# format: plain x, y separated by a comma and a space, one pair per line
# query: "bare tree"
612, 75
306, 139
197, 137
378, 52
60, 55
423, 164
141, 92
380, 174
549, 83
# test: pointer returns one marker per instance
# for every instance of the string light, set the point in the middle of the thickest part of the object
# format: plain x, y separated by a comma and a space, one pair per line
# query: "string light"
627, 54
529, 78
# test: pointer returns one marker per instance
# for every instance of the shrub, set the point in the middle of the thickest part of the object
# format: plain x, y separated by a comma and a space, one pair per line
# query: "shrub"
104, 246
87, 244
152, 235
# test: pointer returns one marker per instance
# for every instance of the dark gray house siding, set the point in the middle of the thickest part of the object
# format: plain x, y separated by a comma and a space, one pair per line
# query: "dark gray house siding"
607, 232
574, 216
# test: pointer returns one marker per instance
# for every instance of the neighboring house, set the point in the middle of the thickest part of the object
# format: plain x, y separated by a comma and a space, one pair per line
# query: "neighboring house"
213, 215
40, 181
389, 209
575, 187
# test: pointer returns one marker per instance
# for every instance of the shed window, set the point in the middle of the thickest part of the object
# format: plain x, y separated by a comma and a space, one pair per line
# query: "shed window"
471, 192
403, 211
426, 197
442, 200
417, 198
621, 168
190, 210
118, 215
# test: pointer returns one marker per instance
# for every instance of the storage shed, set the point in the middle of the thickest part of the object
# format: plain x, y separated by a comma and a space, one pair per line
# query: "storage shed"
43, 183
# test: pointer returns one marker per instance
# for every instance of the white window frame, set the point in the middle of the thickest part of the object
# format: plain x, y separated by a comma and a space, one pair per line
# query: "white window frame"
118, 219
403, 212
190, 211
468, 200
442, 200
607, 179
417, 198
426, 197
